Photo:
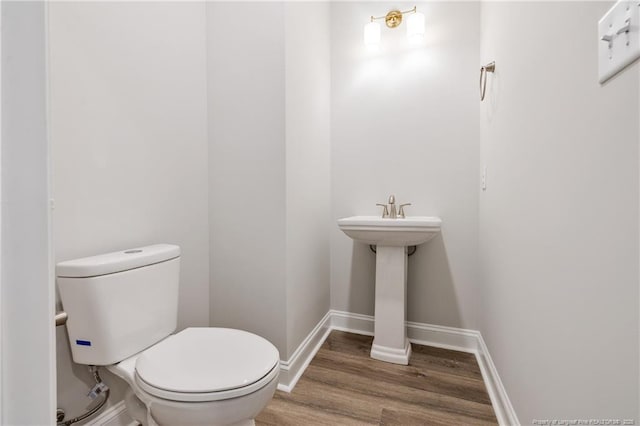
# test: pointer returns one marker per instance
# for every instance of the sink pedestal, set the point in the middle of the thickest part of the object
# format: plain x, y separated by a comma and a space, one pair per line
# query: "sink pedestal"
390, 342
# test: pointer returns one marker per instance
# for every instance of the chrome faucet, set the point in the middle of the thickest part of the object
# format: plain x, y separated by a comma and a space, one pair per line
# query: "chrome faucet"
390, 211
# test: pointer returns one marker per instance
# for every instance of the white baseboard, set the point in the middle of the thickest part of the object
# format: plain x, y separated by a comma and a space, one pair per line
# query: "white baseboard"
456, 339
352, 323
116, 415
501, 404
292, 369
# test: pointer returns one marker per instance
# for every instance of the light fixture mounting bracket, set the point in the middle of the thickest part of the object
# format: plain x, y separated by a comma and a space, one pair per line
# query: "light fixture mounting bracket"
393, 18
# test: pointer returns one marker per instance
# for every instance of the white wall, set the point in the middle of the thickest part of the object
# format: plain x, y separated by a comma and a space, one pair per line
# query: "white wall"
404, 121
307, 60
28, 373
559, 219
128, 102
269, 168
246, 88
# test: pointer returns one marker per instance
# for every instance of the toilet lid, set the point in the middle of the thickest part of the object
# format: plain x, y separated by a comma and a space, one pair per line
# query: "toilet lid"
204, 360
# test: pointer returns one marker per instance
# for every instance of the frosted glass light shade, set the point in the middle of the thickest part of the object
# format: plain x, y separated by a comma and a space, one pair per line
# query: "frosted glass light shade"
415, 27
372, 34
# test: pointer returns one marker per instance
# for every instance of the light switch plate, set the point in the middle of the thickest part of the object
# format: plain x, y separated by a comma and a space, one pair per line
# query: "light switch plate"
618, 38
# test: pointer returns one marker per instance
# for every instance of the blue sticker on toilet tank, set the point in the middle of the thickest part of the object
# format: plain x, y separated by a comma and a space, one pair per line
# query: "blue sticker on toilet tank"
83, 342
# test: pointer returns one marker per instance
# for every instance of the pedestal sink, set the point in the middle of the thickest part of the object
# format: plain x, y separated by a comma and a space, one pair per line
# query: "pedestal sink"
392, 237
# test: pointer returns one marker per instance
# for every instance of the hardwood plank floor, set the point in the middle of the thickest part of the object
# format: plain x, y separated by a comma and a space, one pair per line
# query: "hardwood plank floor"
344, 386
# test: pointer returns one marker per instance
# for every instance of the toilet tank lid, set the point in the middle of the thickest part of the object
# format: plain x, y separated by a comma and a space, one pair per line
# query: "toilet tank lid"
117, 261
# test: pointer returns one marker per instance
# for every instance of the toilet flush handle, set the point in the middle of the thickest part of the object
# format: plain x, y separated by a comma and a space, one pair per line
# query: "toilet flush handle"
61, 318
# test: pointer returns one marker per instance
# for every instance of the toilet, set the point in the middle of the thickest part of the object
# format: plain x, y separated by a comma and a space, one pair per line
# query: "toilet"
122, 310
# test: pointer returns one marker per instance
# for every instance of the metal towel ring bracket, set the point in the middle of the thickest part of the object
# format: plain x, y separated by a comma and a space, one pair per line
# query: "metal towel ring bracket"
490, 67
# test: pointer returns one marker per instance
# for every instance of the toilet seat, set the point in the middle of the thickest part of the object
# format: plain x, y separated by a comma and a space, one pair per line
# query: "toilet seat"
207, 364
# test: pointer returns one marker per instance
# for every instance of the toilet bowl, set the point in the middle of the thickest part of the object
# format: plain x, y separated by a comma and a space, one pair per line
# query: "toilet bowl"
201, 376
122, 310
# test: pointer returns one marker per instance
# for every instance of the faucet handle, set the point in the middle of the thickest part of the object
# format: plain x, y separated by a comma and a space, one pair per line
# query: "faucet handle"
401, 212
385, 211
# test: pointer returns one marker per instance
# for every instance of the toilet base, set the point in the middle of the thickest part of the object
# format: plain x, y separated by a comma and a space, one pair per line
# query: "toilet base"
136, 408
158, 412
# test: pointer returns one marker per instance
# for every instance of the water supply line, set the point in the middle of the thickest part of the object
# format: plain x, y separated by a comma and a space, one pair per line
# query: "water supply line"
99, 389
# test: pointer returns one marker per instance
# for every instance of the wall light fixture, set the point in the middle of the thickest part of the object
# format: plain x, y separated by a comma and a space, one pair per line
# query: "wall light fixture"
415, 26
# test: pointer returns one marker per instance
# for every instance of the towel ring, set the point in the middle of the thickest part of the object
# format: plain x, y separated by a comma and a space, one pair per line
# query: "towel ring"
490, 67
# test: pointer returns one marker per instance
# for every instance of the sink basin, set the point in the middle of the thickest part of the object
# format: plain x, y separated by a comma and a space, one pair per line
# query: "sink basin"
410, 231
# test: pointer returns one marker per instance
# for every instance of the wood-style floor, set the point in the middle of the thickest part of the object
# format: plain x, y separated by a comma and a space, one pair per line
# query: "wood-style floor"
344, 386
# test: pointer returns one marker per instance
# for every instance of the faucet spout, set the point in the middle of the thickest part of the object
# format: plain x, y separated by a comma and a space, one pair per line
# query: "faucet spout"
393, 213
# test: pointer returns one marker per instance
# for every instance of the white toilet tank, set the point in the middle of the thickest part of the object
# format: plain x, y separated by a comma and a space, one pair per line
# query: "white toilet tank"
119, 303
